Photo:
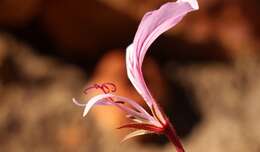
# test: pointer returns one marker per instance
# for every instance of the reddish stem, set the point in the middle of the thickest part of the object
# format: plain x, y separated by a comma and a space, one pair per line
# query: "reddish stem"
173, 137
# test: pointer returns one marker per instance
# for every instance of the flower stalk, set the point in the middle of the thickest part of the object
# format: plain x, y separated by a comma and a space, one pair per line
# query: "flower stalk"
171, 134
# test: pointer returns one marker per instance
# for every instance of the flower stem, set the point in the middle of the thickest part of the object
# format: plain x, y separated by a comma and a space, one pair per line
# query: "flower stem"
173, 137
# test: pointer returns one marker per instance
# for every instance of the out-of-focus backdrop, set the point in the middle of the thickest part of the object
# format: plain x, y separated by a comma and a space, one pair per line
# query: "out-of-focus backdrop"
204, 72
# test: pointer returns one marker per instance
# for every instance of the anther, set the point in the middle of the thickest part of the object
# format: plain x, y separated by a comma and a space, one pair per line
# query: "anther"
105, 87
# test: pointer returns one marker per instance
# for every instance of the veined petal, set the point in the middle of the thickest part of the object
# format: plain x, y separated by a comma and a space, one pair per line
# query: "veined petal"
153, 24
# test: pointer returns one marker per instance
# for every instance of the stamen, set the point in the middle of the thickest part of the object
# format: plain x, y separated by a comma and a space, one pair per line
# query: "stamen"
105, 87
111, 86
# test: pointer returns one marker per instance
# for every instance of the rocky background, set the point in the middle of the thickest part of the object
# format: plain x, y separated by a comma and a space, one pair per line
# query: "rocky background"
205, 73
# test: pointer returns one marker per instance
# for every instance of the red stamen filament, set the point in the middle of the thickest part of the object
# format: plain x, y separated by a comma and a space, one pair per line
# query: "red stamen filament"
106, 88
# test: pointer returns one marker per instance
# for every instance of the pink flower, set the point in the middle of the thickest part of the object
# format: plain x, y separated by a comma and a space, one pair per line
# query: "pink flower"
153, 24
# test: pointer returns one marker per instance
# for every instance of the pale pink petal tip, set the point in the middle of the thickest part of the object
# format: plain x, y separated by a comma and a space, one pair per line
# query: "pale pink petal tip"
194, 3
87, 108
77, 103
136, 133
92, 102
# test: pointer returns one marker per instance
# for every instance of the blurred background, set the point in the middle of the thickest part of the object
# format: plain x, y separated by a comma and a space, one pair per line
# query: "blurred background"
204, 72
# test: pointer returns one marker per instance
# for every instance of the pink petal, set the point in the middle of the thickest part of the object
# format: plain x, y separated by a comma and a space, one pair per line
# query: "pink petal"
104, 99
97, 100
153, 24
194, 4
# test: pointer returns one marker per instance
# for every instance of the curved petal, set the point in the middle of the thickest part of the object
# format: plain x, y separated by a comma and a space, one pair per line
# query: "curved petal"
153, 24
136, 133
105, 99
97, 100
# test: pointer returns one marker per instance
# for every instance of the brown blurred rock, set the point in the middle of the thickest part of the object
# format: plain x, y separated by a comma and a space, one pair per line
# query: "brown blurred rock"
18, 12
220, 133
235, 32
36, 106
3, 50
84, 29
225, 22
86, 26
135, 8
228, 98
